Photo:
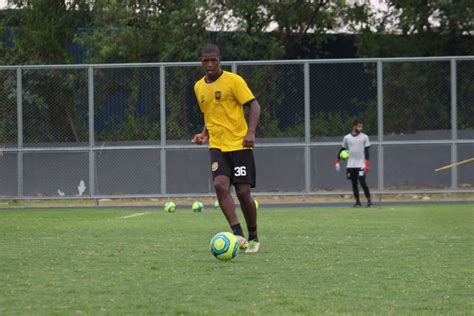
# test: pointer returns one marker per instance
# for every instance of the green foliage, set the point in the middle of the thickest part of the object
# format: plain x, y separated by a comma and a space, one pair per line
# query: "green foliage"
41, 32
127, 104
148, 31
465, 92
267, 95
144, 31
279, 89
274, 29
416, 97
334, 124
418, 28
53, 101
184, 118
45, 29
164, 30
8, 121
135, 128
296, 19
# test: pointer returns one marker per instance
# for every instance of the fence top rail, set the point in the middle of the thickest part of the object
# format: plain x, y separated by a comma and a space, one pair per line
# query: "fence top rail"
249, 62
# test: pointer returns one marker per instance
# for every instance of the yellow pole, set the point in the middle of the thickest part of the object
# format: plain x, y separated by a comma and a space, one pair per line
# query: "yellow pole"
455, 164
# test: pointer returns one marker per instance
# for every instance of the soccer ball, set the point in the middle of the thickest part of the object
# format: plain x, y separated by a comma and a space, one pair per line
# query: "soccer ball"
224, 246
170, 207
197, 207
257, 205
216, 204
344, 154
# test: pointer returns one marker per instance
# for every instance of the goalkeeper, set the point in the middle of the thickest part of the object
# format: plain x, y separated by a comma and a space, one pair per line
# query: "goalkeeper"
358, 145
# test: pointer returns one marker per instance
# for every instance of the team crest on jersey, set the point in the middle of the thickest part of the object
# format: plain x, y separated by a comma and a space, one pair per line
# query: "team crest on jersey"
214, 166
202, 98
217, 94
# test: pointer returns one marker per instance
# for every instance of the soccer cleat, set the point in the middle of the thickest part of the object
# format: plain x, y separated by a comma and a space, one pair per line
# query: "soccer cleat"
243, 244
253, 247
357, 204
369, 204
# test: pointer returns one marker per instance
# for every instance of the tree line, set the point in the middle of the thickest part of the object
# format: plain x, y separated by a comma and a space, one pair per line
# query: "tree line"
42, 31
113, 31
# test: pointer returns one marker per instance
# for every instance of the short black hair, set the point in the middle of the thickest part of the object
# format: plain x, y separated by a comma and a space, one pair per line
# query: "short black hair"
356, 122
209, 49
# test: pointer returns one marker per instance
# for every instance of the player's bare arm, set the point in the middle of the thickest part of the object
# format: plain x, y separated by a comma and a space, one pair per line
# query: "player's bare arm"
201, 138
254, 116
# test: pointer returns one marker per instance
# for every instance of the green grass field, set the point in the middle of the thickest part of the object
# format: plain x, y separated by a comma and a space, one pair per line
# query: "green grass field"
414, 259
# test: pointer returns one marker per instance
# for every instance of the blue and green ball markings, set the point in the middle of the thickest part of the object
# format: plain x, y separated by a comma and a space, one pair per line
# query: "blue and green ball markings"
224, 246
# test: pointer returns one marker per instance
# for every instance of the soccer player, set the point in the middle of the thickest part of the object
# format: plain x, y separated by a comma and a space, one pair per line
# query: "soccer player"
358, 145
221, 96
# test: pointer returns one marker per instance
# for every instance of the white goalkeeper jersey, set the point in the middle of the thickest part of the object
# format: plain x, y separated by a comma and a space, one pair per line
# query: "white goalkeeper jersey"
356, 146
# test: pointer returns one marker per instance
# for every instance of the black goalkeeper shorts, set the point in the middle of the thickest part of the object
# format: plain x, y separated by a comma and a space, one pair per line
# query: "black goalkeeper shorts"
355, 173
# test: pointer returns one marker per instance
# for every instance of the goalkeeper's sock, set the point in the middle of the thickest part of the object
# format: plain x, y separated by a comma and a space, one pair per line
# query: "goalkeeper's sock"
237, 229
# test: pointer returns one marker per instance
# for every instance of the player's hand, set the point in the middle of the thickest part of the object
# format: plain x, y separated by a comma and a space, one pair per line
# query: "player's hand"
200, 139
366, 166
249, 140
337, 166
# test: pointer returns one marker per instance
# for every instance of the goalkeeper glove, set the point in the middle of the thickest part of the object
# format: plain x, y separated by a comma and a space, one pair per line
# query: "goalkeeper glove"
366, 166
337, 165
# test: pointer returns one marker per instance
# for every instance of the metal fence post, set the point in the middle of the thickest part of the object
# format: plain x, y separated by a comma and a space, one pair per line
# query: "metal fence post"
163, 129
380, 127
454, 125
19, 113
27, 147
90, 89
307, 128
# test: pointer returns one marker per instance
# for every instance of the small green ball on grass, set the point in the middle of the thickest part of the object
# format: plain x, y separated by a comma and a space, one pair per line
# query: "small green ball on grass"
170, 207
197, 207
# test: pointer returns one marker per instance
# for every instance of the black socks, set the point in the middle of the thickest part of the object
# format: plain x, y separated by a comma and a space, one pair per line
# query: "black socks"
237, 229
253, 233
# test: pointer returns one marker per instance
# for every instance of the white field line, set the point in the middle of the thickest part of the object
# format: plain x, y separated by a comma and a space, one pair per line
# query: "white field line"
133, 215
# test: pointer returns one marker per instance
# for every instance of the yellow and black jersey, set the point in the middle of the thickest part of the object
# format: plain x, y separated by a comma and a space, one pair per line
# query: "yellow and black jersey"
222, 102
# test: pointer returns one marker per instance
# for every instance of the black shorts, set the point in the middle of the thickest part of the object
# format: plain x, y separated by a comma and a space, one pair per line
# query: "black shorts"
355, 173
238, 165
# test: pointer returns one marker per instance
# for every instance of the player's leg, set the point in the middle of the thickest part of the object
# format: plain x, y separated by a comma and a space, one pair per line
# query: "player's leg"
355, 191
222, 188
352, 175
248, 209
243, 179
221, 173
365, 187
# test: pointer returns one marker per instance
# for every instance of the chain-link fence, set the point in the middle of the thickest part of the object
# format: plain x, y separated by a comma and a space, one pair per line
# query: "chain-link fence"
8, 118
54, 107
126, 105
125, 130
